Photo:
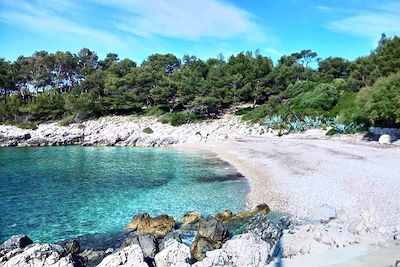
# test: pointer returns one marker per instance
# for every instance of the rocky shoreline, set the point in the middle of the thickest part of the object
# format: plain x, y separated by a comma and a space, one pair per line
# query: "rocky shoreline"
128, 131
250, 238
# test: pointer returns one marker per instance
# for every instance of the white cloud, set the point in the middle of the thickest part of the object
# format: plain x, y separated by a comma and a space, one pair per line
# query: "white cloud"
371, 23
186, 19
43, 18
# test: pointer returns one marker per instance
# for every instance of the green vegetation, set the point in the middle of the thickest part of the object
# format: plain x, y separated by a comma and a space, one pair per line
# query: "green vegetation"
74, 87
148, 130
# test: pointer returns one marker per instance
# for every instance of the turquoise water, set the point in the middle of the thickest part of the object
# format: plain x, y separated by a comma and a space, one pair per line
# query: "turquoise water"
55, 193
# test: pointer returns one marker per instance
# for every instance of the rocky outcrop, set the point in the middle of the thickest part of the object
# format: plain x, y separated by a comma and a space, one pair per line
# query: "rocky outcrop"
145, 224
242, 250
15, 242
44, 255
174, 254
127, 131
211, 234
126, 257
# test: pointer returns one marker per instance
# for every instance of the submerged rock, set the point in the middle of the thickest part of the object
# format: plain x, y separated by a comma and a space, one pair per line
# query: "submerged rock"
191, 217
174, 254
127, 257
211, 234
145, 224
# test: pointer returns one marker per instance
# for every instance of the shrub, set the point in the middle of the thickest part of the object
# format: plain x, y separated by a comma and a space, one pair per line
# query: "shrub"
381, 102
148, 130
179, 118
22, 124
155, 111
67, 121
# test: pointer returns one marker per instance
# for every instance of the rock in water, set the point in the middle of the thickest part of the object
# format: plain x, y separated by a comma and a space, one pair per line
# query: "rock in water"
145, 224
127, 257
191, 217
211, 234
260, 209
225, 215
147, 242
43, 255
174, 254
16, 241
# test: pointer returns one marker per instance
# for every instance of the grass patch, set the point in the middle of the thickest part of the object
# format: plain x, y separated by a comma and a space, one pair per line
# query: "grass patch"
148, 130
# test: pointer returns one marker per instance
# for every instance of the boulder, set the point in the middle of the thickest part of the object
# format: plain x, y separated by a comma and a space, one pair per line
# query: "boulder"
126, 257
16, 241
147, 242
260, 209
191, 217
174, 254
93, 257
242, 250
225, 215
43, 255
211, 234
71, 247
384, 139
267, 230
145, 224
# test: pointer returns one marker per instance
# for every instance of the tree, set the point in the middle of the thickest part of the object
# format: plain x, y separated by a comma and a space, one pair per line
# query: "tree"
335, 67
381, 102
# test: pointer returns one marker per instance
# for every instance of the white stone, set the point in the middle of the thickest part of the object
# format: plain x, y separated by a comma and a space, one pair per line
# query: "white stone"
127, 257
173, 254
242, 250
384, 139
43, 255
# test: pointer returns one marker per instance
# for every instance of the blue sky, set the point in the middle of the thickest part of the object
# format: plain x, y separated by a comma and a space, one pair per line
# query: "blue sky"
136, 29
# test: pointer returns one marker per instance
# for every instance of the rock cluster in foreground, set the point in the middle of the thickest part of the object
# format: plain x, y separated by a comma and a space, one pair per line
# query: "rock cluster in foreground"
202, 241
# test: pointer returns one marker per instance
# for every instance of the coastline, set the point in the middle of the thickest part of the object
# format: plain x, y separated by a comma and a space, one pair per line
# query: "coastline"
297, 175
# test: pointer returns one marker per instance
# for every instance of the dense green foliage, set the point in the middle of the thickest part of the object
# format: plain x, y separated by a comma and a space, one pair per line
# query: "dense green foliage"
48, 86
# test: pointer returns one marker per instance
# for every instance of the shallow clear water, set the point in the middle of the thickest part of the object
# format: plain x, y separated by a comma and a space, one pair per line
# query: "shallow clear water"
55, 193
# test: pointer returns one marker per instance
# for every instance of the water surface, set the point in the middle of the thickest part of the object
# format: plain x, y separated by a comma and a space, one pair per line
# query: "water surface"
55, 193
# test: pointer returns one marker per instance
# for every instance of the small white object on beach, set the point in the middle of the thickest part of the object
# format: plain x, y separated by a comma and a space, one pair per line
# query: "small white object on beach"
384, 139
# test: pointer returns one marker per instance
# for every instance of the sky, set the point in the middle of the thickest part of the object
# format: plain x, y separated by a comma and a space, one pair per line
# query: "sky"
136, 29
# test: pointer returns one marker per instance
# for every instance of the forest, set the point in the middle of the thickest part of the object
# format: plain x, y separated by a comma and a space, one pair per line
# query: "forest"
74, 87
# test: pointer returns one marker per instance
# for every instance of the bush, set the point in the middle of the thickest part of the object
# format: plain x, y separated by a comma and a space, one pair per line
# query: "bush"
67, 121
179, 118
148, 130
258, 114
155, 111
381, 102
22, 124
